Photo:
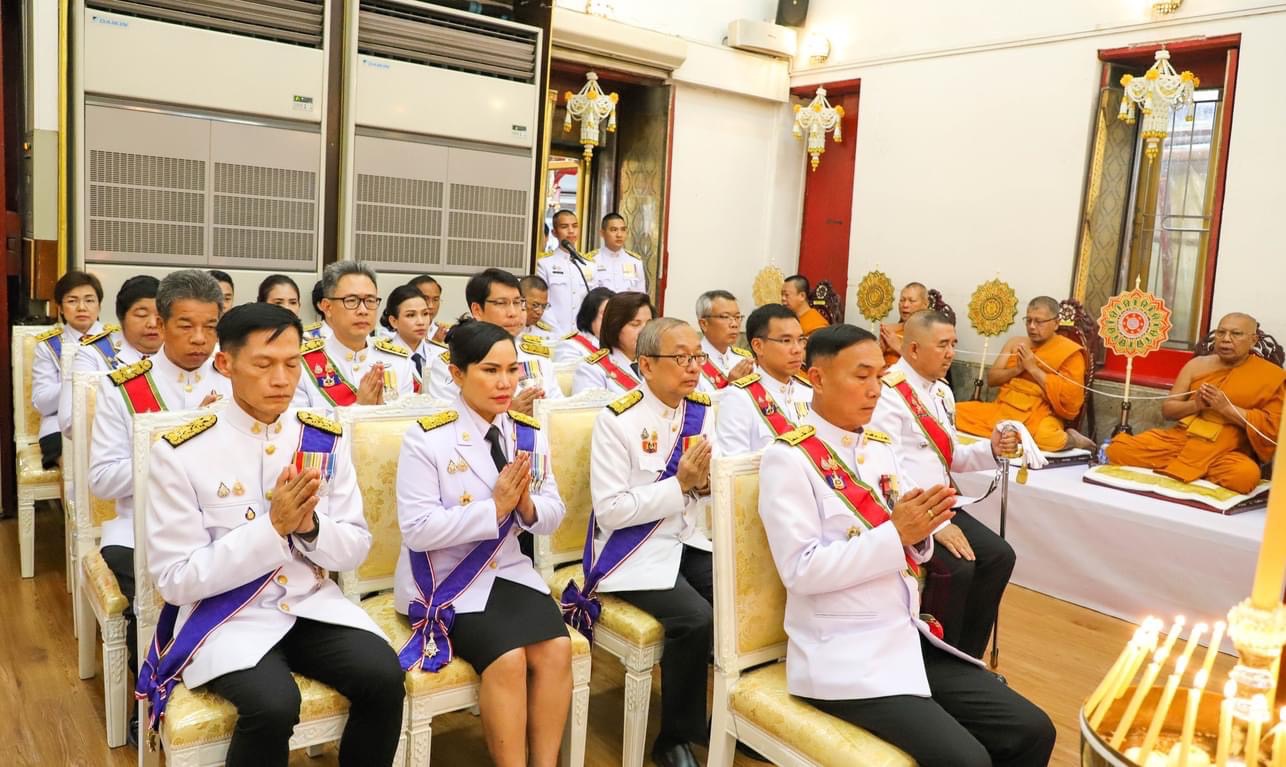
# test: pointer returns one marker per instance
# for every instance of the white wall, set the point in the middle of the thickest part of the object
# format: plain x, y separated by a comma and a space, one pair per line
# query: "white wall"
973, 139
699, 20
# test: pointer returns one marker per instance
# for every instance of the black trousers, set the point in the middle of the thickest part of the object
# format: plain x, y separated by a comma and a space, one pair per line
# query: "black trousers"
965, 596
51, 449
360, 665
688, 617
120, 560
972, 720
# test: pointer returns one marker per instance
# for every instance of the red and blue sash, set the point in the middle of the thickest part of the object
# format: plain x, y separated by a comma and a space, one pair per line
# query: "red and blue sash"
332, 384
580, 607
431, 612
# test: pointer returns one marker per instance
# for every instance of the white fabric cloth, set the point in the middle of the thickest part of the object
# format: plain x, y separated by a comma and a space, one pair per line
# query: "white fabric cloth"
622, 477
619, 270
205, 538
568, 283
111, 464
352, 365
852, 609
593, 376
444, 506
1031, 452
741, 427
440, 385
47, 379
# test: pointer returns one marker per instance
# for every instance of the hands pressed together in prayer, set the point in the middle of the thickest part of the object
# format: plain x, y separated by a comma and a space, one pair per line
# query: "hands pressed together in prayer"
513, 489
741, 369
890, 339
694, 467
294, 499
370, 390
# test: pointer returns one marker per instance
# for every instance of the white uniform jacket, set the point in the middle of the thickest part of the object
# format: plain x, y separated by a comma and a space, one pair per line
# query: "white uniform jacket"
89, 359
543, 332
619, 270
568, 283
209, 531
741, 427
567, 350
630, 449
916, 455
440, 385
723, 361
852, 611
47, 376
591, 376
353, 365
111, 463
444, 481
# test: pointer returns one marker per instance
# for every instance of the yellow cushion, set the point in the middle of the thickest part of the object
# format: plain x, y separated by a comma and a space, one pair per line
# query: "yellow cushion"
30, 472
761, 599
761, 698
100, 510
102, 585
636, 626
199, 716
32, 426
376, 446
565, 380
569, 440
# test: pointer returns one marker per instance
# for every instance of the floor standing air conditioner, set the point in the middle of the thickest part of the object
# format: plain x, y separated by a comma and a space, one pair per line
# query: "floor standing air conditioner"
197, 133
440, 150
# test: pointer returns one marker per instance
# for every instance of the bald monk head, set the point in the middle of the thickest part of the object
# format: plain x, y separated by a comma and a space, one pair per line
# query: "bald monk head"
1235, 337
1041, 319
929, 343
913, 298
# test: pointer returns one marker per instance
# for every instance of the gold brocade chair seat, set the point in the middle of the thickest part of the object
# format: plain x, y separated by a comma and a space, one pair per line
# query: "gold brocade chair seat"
631, 623
30, 471
761, 699
101, 586
34, 482
197, 717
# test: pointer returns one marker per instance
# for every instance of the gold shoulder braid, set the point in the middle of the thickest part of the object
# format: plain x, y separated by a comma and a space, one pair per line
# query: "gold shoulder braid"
311, 345
798, 435
87, 340
431, 422
893, 378
446, 357
877, 436
596, 356
189, 430
621, 404
309, 418
312, 326
56, 330
545, 326
130, 372
745, 381
438, 344
525, 419
532, 345
803, 379
112, 328
737, 350
385, 345
570, 335
699, 397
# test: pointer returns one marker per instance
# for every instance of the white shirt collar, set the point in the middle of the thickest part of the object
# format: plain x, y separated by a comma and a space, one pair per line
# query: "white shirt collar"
164, 369
654, 403
922, 385
480, 426
243, 422
71, 334
774, 386
341, 353
832, 434
603, 249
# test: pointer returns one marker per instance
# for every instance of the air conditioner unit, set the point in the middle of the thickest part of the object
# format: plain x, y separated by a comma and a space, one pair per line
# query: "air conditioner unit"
198, 132
440, 126
761, 37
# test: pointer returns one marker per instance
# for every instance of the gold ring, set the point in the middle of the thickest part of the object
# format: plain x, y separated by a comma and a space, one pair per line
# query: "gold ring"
931, 514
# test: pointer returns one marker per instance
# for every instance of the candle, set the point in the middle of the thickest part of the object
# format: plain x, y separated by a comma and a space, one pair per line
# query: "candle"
1212, 650
1224, 744
1132, 709
1275, 671
1267, 591
1258, 714
1279, 740
1194, 638
1190, 716
1172, 636
1163, 708
1110, 677
1122, 681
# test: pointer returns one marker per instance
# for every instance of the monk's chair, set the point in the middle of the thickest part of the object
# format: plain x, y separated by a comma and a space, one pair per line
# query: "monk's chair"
1076, 324
35, 483
623, 630
829, 303
751, 703
1265, 346
939, 304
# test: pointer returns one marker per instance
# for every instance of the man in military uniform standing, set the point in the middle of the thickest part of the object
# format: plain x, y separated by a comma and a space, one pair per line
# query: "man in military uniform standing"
614, 266
566, 272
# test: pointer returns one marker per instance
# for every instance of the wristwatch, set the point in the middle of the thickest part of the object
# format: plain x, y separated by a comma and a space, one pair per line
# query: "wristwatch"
311, 535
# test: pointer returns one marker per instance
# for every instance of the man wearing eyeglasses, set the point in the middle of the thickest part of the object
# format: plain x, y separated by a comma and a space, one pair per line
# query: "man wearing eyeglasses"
535, 291
720, 321
649, 473
1228, 404
773, 399
1041, 377
349, 367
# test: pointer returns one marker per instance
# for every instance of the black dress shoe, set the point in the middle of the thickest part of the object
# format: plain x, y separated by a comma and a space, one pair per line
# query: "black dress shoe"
678, 755
131, 731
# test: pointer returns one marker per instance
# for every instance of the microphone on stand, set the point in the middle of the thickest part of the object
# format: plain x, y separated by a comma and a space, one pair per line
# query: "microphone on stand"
571, 250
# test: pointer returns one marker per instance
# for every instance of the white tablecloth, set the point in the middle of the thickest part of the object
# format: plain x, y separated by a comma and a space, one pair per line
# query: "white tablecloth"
1118, 553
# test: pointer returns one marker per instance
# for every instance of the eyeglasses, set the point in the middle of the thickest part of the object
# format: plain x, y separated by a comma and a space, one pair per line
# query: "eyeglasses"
1235, 335
74, 301
538, 306
682, 360
504, 304
799, 341
1037, 321
352, 302
734, 319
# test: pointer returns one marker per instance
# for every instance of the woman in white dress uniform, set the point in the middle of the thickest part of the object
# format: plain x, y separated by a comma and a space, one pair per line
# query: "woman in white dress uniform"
468, 480
406, 316
574, 347
612, 366
280, 290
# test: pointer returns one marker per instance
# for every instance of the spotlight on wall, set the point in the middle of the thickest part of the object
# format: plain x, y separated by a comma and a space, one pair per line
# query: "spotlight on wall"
817, 48
1166, 6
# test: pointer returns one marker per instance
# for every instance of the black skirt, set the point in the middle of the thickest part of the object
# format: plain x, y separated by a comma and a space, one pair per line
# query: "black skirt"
515, 616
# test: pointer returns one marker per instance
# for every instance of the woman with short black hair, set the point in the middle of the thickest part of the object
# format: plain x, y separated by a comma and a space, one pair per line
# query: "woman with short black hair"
79, 297
589, 319
612, 367
406, 317
280, 290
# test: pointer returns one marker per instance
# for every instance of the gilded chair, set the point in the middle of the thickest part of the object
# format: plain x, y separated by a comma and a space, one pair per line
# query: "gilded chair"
35, 483
1076, 324
198, 724
98, 606
377, 434
623, 630
1266, 347
66, 360
565, 372
751, 703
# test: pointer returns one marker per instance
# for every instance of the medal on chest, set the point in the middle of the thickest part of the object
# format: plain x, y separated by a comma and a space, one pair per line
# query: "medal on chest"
650, 442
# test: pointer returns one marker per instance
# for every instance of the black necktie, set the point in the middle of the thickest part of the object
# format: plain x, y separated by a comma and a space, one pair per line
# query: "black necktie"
419, 363
497, 453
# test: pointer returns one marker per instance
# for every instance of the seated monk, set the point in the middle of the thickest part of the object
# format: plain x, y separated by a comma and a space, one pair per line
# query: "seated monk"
1039, 377
913, 298
1219, 394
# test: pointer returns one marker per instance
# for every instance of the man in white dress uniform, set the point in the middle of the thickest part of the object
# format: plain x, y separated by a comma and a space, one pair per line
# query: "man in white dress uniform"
756, 409
566, 272
614, 266
720, 319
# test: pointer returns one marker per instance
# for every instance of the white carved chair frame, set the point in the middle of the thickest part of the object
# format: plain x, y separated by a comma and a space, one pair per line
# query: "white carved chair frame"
33, 482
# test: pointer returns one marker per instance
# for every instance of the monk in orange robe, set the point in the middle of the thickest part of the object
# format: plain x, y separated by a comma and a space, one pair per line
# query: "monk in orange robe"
1040, 377
794, 295
913, 298
1221, 394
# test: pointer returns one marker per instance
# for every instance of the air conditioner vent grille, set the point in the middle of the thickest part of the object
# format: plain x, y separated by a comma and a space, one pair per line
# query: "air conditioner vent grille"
435, 38
296, 22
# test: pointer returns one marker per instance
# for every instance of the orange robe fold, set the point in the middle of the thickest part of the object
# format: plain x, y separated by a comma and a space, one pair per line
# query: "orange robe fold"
1043, 410
812, 320
891, 357
1209, 446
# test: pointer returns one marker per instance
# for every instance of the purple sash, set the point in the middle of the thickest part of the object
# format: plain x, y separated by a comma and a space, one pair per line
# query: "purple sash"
56, 344
432, 616
581, 607
169, 655
103, 344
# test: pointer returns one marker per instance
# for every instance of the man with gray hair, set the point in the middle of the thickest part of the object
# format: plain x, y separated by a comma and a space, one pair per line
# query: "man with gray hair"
348, 367
720, 321
649, 475
181, 376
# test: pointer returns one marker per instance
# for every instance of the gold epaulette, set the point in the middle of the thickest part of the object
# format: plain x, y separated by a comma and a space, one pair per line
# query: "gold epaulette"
737, 350
571, 335
524, 419
189, 430
625, 402
893, 378
87, 340
309, 418
431, 422
130, 372
632, 254
438, 344
545, 254
311, 345
877, 436
745, 381
445, 357
385, 345
803, 379
797, 435
112, 328
699, 397
532, 345
56, 330
531, 337
310, 327
596, 356
545, 326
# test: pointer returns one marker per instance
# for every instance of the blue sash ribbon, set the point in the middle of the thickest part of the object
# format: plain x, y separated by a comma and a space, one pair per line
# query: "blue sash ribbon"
105, 348
316, 450
432, 616
56, 343
581, 607
169, 655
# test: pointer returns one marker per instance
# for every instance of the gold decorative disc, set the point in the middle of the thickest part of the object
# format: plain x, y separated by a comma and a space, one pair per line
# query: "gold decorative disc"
768, 285
993, 307
875, 295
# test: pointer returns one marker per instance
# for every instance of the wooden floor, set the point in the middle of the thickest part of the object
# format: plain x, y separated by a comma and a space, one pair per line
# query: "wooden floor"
1053, 652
